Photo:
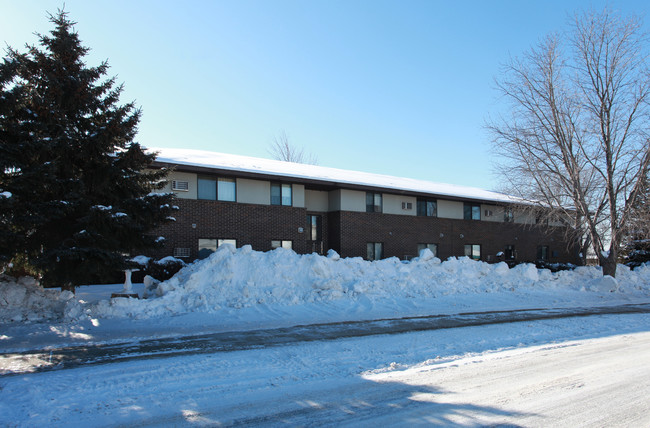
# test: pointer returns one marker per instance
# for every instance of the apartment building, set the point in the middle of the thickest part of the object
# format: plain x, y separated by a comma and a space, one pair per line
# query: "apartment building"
268, 204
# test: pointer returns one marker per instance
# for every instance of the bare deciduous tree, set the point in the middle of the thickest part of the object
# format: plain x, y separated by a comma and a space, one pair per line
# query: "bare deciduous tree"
282, 149
576, 143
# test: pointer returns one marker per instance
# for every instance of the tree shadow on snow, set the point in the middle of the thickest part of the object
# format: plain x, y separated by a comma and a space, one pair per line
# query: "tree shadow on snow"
367, 403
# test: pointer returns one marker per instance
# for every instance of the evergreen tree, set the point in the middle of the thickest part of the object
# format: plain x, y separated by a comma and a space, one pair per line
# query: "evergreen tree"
75, 195
636, 250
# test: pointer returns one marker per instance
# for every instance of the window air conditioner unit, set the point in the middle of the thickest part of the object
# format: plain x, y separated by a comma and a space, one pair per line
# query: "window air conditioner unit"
182, 186
181, 252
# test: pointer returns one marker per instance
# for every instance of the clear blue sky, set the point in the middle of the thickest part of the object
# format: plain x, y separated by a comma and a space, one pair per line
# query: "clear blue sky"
393, 87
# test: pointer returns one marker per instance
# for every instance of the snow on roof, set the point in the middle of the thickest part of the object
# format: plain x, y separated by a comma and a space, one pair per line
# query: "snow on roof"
247, 164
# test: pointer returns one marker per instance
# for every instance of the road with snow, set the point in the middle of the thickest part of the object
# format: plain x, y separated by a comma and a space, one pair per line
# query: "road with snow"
54, 358
602, 382
580, 371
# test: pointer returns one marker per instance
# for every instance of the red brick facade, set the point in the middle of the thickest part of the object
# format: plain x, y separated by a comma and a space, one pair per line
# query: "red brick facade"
349, 232
401, 234
252, 224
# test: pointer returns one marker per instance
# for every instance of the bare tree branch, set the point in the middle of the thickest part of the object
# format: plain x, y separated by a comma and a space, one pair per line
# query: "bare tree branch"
282, 149
576, 144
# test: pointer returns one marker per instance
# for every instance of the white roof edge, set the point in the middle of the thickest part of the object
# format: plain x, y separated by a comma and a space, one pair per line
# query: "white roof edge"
201, 158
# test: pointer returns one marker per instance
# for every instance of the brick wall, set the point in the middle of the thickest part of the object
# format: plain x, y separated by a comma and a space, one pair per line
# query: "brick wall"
349, 232
250, 224
401, 234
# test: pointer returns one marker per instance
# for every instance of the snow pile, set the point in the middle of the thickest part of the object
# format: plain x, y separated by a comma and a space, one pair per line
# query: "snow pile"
283, 282
25, 300
240, 278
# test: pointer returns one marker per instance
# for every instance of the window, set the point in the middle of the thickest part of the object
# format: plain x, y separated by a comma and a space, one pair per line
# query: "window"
207, 188
232, 242
373, 202
314, 228
509, 252
427, 207
315, 233
432, 247
407, 205
284, 244
542, 252
227, 189
473, 251
180, 186
472, 212
207, 247
375, 250
508, 216
223, 189
281, 194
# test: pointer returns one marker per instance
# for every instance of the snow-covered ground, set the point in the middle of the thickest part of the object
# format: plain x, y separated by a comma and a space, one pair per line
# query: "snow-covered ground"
527, 373
591, 371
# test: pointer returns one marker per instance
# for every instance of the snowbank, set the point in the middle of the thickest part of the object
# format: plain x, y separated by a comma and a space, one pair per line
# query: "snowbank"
233, 279
242, 278
25, 300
